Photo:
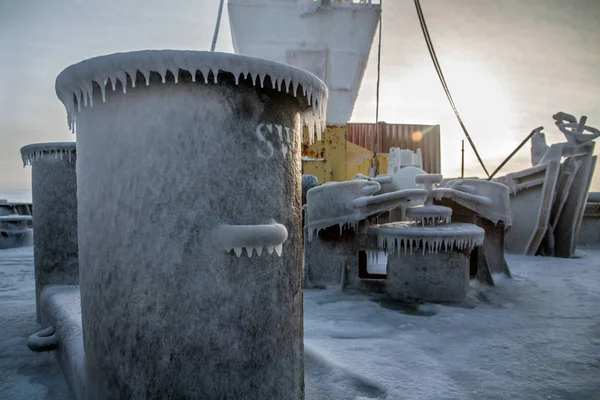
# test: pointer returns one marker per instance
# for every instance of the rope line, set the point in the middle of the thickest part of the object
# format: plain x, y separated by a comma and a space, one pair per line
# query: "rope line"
440, 74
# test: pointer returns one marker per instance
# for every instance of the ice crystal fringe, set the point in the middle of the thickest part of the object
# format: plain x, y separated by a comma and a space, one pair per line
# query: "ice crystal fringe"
75, 85
34, 152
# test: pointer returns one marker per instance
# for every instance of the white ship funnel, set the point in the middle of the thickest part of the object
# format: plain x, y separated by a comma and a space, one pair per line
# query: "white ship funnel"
329, 38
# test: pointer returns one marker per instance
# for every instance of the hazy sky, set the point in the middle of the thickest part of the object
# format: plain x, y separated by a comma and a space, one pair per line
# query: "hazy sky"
510, 65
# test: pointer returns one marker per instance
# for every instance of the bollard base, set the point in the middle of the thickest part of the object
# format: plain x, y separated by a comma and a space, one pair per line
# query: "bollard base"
441, 277
60, 306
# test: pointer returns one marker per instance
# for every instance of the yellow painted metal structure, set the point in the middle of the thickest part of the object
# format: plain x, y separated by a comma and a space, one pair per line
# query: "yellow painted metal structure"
335, 159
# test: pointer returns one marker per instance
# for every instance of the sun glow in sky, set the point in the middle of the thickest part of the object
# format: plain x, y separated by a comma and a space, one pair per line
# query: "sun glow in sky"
510, 66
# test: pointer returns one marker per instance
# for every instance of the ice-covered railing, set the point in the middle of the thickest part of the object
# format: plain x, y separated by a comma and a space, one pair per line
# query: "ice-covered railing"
349, 202
382, 179
75, 85
37, 151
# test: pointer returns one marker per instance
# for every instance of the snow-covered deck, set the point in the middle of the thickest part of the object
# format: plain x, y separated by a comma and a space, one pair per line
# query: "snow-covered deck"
534, 337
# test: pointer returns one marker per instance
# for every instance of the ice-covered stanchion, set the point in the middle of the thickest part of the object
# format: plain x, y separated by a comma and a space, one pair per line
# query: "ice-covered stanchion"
429, 214
185, 160
54, 194
428, 257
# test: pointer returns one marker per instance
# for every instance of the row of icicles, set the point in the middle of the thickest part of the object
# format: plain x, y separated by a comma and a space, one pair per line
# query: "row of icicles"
61, 154
84, 93
427, 245
434, 220
259, 250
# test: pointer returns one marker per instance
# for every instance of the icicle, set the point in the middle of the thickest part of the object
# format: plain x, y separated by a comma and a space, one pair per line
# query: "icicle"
113, 82
102, 85
205, 72
262, 80
270, 249
133, 75
238, 251
215, 75
310, 122
146, 74
122, 76
248, 251
295, 85
258, 250
319, 132
279, 249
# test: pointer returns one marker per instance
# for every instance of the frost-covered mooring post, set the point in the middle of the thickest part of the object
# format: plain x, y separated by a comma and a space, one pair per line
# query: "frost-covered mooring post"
189, 213
428, 255
54, 193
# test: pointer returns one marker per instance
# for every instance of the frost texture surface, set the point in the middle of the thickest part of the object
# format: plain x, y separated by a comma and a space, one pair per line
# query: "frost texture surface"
37, 151
75, 85
356, 348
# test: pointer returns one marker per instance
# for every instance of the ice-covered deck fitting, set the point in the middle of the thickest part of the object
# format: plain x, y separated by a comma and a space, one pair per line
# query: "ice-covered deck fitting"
429, 213
342, 203
61, 150
75, 85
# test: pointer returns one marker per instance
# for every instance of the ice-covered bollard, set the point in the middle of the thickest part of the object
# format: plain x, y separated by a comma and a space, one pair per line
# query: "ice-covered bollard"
54, 194
428, 256
189, 196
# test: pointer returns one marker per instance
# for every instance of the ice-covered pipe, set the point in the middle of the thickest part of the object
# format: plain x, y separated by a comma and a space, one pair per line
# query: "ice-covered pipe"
200, 155
54, 194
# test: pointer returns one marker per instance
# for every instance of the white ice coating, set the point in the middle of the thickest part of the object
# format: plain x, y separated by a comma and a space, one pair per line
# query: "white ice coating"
251, 238
347, 203
75, 85
394, 236
379, 178
451, 193
37, 151
516, 183
428, 179
429, 215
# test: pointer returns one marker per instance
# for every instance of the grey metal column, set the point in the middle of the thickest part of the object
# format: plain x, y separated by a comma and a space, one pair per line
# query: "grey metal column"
54, 192
189, 189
